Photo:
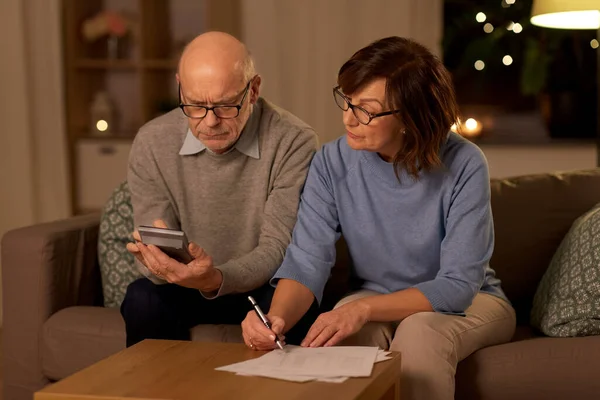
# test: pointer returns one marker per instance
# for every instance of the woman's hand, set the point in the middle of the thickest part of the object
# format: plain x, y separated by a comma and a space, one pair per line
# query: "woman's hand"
334, 326
257, 336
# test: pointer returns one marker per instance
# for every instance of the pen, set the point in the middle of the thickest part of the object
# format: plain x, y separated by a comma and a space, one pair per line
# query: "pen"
263, 319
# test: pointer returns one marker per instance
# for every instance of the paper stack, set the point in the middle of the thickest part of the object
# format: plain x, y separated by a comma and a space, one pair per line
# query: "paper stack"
301, 364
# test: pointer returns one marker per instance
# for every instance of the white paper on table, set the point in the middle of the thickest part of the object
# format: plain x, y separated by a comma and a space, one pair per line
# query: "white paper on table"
305, 364
383, 356
323, 361
299, 378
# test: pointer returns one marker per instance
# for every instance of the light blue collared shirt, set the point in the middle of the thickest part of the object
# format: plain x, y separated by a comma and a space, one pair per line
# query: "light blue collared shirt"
246, 144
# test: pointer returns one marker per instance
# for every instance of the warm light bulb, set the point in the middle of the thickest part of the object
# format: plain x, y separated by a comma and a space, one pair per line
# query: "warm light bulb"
470, 128
507, 60
594, 43
479, 65
471, 124
488, 28
480, 17
588, 19
517, 28
510, 26
101, 125
510, 1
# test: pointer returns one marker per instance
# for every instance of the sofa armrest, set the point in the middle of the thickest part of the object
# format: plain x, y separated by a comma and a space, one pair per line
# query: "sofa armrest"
45, 268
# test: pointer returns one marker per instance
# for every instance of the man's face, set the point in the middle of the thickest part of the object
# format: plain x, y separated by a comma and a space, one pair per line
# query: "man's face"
218, 134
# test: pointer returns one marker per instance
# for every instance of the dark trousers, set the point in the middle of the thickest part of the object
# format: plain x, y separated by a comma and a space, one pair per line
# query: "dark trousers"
169, 311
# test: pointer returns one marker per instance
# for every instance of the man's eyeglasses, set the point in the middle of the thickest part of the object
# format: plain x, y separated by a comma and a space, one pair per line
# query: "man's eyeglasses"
223, 112
362, 115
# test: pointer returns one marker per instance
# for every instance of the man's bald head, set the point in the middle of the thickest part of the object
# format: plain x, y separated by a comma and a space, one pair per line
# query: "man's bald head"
216, 55
216, 70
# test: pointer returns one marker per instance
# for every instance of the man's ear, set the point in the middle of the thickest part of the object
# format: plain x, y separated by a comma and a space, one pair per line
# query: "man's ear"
255, 89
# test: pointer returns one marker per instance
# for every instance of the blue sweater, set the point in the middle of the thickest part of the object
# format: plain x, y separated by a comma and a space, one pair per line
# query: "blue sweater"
435, 234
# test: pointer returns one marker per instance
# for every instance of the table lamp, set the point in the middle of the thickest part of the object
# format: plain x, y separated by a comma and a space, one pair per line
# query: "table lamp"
571, 14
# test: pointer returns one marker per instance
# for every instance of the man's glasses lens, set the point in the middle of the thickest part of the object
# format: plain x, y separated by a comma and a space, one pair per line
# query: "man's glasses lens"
226, 112
220, 111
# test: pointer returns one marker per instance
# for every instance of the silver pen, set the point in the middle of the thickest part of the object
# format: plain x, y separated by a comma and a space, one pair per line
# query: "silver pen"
264, 319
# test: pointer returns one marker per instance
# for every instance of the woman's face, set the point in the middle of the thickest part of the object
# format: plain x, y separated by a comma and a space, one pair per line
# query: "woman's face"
383, 134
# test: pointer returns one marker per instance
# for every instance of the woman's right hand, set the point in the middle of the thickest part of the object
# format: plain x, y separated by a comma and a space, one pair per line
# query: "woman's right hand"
257, 336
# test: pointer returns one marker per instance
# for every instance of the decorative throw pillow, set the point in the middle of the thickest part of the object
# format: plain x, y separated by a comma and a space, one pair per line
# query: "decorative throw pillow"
117, 266
567, 300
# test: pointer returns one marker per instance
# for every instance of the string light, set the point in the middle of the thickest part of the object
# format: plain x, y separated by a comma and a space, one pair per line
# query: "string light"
507, 60
479, 65
480, 17
517, 28
594, 43
488, 28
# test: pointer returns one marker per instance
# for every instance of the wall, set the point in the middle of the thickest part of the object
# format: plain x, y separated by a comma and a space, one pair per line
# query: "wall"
33, 162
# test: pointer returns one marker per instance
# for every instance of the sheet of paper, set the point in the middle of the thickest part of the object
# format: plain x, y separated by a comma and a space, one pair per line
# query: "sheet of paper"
298, 378
274, 375
300, 364
383, 356
323, 361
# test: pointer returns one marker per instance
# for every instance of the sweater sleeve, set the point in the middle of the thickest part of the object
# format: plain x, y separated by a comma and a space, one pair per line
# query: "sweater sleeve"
148, 192
311, 254
468, 243
252, 270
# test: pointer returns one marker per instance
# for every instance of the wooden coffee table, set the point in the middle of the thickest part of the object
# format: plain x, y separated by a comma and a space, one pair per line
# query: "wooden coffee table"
174, 370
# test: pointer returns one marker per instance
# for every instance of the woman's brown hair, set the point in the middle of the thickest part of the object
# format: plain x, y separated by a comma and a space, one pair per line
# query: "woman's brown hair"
418, 84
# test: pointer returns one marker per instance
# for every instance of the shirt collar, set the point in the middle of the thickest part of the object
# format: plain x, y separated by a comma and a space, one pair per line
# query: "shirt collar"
247, 143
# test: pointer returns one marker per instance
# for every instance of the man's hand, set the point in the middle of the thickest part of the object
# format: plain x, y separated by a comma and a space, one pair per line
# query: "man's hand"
334, 326
199, 274
257, 336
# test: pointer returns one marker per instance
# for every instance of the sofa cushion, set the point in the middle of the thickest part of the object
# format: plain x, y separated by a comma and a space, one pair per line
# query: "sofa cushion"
567, 301
117, 265
77, 337
538, 368
532, 214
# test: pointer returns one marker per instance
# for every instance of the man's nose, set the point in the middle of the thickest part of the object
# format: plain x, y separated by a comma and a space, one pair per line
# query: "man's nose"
211, 120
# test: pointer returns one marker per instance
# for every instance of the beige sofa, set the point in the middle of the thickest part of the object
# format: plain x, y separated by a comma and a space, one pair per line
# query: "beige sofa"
54, 322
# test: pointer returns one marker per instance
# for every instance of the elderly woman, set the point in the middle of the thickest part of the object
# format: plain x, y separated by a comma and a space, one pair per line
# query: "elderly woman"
412, 200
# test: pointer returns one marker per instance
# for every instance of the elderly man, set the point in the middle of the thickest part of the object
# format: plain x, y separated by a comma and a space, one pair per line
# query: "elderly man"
227, 168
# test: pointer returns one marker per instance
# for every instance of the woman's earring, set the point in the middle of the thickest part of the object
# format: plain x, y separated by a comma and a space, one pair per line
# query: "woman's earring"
404, 131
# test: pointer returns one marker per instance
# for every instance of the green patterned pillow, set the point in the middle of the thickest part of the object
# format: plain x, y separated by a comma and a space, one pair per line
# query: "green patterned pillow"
117, 266
567, 301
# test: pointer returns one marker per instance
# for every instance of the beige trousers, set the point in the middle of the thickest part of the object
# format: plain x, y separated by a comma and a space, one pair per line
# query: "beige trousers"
432, 344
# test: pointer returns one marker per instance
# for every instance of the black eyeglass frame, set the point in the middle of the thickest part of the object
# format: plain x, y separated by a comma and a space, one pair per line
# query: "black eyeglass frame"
353, 107
207, 109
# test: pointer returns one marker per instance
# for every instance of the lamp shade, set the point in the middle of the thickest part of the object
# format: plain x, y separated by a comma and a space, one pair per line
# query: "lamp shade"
566, 14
